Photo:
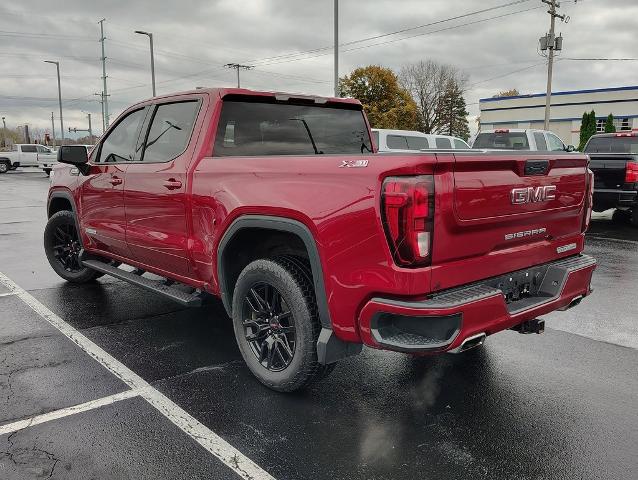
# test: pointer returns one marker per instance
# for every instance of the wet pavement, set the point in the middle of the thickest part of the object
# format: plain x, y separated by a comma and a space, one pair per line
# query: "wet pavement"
561, 405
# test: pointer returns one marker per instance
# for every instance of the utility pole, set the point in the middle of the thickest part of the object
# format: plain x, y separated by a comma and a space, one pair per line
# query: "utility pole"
552, 43
101, 100
150, 37
4, 133
57, 66
105, 114
53, 130
237, 67
90, 130
336, 48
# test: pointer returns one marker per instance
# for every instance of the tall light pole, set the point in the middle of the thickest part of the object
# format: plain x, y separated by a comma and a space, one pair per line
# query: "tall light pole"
150, 37
57, 66
4, 133
336, 54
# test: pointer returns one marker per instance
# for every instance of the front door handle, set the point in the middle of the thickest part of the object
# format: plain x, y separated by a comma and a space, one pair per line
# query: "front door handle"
172, 184
116, 181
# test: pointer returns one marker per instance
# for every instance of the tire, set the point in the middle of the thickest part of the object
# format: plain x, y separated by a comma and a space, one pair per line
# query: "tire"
634, 217
47, 171
62, 247
621, 216
279, 349
4, 167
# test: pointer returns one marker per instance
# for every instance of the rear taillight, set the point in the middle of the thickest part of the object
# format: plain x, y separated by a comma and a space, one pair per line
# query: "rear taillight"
407, 205
589, 200
631, 172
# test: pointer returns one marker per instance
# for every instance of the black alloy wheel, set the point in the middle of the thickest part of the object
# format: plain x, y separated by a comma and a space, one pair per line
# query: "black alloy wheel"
269, 327
62, 246
276, 322
66, 248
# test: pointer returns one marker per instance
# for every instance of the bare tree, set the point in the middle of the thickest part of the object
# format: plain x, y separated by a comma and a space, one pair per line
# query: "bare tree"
428, 82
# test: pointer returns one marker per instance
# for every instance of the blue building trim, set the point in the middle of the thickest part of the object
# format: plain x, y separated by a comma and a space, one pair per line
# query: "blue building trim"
567, 104
554, 120
566, 92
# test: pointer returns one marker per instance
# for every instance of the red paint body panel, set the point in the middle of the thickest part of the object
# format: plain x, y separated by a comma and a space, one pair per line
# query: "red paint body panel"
176, 233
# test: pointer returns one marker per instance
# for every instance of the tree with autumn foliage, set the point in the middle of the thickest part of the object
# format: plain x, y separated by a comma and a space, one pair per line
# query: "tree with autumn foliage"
386, 104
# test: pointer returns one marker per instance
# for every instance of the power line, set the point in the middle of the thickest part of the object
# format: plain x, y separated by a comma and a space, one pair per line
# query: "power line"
6, 33
602, 59
403, 30
469, 87
404, 38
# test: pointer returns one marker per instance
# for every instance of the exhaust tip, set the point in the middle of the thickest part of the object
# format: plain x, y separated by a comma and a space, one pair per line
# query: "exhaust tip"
470, 342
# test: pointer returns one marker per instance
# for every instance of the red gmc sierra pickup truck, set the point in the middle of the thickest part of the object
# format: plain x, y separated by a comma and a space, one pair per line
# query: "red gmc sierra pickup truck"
316, 244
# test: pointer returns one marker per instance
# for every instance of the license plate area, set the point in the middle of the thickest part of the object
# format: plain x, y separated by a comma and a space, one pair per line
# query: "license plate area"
523, 288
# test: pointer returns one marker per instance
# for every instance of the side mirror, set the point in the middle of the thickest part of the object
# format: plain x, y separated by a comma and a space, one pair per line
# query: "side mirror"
75, 155
570, 148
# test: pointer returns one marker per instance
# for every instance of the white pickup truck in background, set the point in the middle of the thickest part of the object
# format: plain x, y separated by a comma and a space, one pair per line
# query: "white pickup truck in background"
520, 139
27, 155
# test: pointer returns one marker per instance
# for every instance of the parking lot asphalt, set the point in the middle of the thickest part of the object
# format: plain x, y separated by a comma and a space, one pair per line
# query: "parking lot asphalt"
561, 405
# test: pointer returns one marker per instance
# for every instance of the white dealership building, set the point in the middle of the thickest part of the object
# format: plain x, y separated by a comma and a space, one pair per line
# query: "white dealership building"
528, 111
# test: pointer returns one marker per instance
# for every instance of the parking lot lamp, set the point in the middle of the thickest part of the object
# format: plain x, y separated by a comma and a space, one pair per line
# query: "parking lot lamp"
150, 37
57, 66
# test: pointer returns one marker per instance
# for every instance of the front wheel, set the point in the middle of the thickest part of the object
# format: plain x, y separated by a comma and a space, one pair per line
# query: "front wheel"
47, 171
4, 167
62, 247
277, 324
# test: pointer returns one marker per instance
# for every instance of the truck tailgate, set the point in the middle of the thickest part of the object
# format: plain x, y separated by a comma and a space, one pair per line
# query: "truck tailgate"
609, 170
506, 212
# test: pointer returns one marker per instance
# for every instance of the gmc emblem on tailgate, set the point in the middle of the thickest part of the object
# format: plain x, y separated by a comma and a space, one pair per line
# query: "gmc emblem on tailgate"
520, 196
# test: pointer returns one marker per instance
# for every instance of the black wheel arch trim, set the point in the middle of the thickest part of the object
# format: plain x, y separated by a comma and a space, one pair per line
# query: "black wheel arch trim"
329, 347
68, 197
285, 225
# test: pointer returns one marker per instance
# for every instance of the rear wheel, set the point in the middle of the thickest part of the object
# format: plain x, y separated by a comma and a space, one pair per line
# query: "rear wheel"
62, 247
277, 325
634, 217
47, 171
621, 216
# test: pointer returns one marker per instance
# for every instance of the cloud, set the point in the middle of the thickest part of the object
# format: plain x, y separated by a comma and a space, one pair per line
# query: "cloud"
195, 38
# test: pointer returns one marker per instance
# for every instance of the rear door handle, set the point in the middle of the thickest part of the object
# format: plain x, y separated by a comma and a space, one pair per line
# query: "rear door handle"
116, 181
172, 184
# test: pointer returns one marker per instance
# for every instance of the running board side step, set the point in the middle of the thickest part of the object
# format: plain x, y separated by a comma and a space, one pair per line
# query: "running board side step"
157, 286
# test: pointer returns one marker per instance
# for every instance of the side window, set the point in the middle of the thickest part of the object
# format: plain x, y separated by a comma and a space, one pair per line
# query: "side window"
442, 142
170, 131
397, 142
29, 149
417, 143
119, 145
460, 144
555, 143
541, 144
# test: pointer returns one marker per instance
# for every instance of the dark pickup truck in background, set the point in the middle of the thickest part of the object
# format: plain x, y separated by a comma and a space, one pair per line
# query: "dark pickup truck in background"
614, 161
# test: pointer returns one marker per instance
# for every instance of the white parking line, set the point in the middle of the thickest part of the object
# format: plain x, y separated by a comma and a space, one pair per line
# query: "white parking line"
6, 294
65, 412
225, 452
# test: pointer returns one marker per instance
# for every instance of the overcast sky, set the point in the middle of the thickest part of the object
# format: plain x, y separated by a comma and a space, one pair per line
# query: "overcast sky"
195, 38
